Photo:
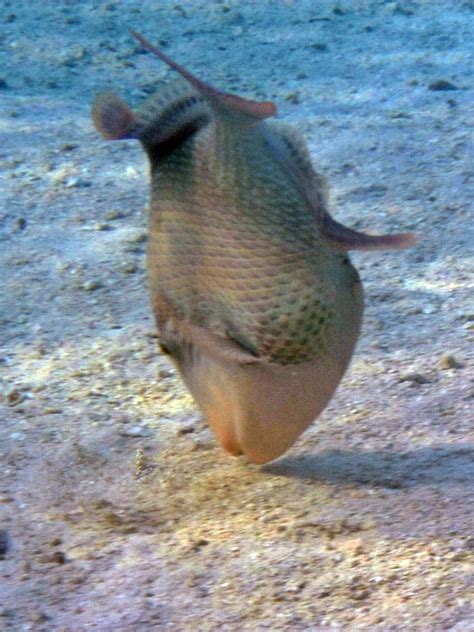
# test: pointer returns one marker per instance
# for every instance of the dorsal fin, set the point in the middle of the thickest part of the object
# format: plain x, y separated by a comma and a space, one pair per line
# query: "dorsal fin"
231, 103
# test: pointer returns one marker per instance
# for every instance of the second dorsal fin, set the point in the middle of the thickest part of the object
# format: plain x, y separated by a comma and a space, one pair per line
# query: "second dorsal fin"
220, 101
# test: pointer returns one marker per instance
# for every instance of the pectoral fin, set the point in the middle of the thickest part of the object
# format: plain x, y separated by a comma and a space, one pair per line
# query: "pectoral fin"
112, 117
343, 238
289, 148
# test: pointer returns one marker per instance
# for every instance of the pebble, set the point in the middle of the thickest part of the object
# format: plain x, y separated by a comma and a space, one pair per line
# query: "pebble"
114, 214
449, 361
135, 431
15, 397
17, 436
442, 85
133, 239
39, 617
99, 226
417, 378
76, 182
129, 268
185, 430
401, 9
319, 46
62, 175
165, 372
68, 146
292, 97
58, 557
137, 237
233, 18
352, 546
359, 595
91, 286
4, 543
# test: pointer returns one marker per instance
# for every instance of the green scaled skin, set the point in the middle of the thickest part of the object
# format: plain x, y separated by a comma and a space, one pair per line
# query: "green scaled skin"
253, 293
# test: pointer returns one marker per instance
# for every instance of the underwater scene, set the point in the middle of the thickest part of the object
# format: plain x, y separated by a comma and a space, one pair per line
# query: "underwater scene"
236, 315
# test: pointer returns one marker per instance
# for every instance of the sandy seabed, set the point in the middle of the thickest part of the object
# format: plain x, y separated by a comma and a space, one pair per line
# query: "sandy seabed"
117, 509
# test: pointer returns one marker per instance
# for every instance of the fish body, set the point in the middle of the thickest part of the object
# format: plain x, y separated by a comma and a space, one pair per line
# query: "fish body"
252, 289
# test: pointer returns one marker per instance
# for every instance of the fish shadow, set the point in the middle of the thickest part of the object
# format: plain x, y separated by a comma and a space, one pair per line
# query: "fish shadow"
442, 465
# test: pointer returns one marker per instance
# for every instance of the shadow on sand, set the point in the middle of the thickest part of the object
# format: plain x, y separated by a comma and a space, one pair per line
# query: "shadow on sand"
441, 465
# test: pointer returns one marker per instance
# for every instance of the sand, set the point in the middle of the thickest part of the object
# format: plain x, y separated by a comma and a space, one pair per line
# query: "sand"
118, 511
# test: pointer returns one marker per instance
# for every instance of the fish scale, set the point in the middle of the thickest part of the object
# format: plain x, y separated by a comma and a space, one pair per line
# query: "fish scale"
253, 292
230, 246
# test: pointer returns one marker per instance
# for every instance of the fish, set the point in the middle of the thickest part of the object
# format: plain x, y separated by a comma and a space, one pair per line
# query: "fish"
253, 292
